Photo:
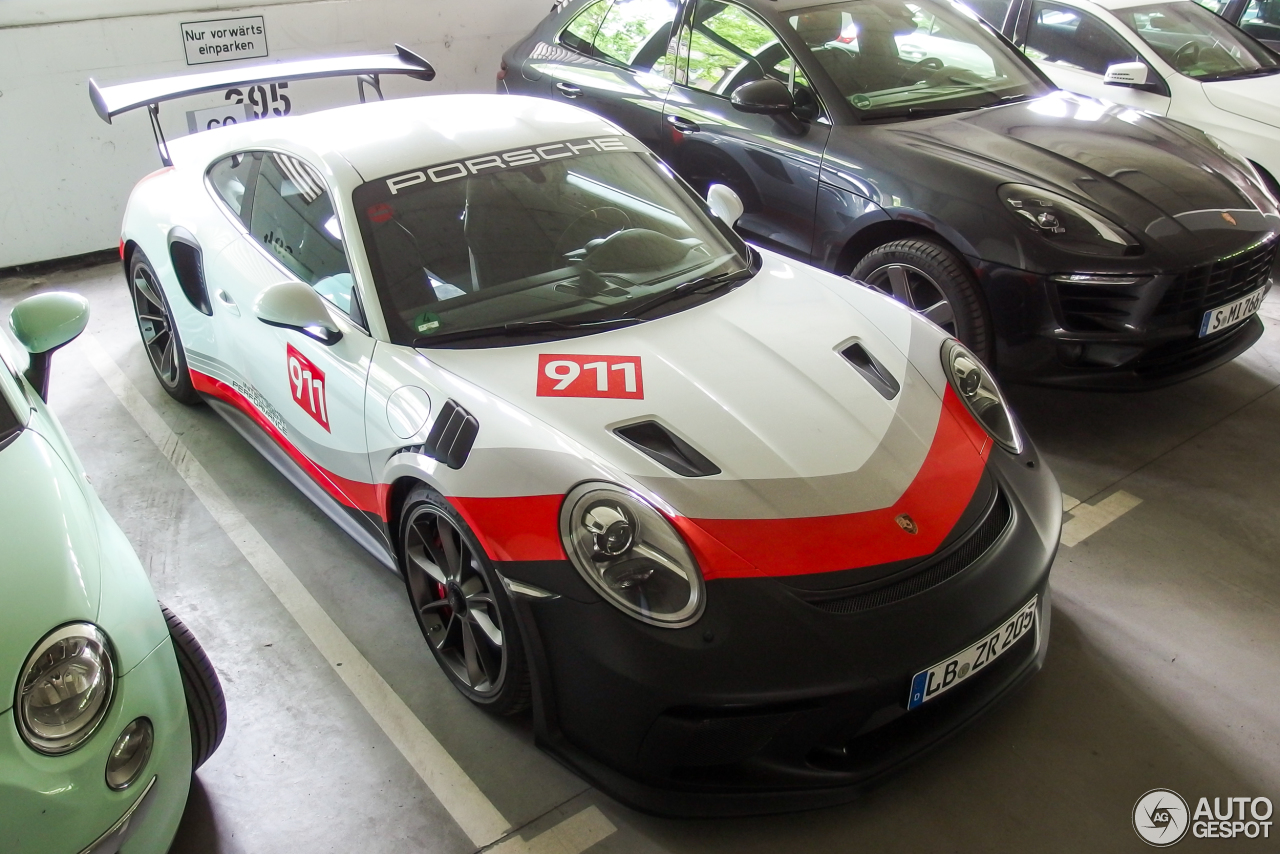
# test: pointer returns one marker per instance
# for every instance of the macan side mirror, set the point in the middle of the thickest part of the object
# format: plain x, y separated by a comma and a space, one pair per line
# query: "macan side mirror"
1132, 74
768, 97
725, 204
42, 324
294, 305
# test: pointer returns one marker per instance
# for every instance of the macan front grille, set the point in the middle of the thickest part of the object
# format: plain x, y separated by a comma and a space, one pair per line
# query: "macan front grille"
950, 565
1210, 285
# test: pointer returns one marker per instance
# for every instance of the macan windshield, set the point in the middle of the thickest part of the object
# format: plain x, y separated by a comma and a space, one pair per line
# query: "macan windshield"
560, 236
1197, 43
891, 58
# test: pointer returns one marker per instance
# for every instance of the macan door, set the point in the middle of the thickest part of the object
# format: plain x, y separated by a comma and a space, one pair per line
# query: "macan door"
773, 169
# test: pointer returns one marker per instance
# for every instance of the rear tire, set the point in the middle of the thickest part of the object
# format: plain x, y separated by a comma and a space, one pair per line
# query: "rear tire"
160, 337
206, 705
932, 279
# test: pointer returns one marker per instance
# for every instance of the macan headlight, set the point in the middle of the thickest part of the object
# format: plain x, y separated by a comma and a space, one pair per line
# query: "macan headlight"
65, 689
977, 389
1069, 224
631, 555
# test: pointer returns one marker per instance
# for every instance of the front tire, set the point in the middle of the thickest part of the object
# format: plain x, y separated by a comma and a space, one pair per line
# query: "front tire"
461, 605
206, 705
159, 333
932, 279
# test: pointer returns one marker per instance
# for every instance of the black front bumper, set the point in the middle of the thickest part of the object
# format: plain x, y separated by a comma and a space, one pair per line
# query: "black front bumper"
774, 700
1121, 337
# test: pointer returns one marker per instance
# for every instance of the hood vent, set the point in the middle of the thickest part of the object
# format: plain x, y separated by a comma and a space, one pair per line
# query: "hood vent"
872, 370
665, 447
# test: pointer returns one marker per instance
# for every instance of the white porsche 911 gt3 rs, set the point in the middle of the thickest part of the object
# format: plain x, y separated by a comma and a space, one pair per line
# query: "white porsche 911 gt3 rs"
744, 534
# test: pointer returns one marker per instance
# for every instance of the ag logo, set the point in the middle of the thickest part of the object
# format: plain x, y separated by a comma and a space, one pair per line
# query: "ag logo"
1160, 817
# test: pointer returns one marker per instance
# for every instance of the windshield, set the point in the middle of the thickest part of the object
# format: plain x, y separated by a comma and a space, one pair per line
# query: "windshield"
890, 57
1197, 43
574, 232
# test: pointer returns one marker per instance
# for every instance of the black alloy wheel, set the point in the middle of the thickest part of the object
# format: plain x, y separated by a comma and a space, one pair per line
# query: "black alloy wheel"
930, 278
206, 705
159, 334
461, 606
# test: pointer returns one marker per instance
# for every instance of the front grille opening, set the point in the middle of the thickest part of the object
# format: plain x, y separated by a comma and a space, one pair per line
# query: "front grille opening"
949, 565
1201, 288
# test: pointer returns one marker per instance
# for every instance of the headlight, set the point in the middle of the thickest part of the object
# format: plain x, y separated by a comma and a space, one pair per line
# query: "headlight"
65, 689
976, 387
1069, 224
631, 554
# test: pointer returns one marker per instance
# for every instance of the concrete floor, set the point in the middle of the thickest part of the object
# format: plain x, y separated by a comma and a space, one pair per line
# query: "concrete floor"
1163, 668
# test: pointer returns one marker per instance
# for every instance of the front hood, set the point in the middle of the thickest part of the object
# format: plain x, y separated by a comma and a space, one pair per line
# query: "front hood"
1153, 176
49, 570
1256, 98
754, 380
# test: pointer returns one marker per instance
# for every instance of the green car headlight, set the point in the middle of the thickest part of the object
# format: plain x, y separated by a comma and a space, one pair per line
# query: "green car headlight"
631, 555
65, 689
1069, 224
977, 389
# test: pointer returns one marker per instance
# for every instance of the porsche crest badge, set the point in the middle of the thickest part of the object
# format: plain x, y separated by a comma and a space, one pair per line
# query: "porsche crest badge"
907, 524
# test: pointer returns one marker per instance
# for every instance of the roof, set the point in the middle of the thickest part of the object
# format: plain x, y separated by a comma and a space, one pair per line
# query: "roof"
386, 137
1113, 5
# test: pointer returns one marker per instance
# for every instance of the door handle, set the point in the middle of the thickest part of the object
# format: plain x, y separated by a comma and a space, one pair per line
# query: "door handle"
227, 302
682, 125
568, 90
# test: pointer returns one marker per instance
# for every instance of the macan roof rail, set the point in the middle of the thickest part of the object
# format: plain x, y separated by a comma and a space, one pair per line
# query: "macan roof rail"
111, 101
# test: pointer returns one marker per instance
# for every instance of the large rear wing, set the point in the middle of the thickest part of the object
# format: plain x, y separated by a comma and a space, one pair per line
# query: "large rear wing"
111, 101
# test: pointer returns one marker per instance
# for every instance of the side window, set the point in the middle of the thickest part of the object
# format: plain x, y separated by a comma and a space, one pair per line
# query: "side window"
729, 46
582, 30
1215, 6
292, 216
230, 178
635, 33
992, 11
1261, 19
1073, 38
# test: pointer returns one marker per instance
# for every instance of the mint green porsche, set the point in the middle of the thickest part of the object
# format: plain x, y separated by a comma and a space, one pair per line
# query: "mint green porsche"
107, 702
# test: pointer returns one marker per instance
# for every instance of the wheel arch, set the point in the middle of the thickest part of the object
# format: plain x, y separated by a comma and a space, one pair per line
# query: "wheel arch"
900, 227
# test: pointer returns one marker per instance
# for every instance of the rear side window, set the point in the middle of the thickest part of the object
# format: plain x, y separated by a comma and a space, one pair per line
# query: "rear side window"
991, 11
231, 179
581, 32
635, 33
1073, 38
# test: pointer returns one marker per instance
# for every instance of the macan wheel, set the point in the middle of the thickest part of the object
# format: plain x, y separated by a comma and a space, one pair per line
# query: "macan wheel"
206, 705
461, 606
159, 334
935, 281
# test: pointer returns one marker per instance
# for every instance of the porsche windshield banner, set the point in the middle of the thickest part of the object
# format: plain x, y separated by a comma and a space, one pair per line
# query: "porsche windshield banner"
385, 189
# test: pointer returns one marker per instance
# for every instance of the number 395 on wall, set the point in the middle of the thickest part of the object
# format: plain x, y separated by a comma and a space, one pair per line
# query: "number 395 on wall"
590, 376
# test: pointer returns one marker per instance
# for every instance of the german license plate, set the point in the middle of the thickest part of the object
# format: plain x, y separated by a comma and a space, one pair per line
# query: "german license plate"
1224, 316
942, 677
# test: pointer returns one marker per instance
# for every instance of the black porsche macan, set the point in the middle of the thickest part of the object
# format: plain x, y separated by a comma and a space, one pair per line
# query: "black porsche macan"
909, 146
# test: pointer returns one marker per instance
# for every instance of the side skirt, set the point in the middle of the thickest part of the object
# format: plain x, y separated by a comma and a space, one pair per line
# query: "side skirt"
354, 522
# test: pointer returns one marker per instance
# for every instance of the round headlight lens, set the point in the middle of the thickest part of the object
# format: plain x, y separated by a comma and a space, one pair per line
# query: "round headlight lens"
65, 689
631, 554
977, 388
129, 754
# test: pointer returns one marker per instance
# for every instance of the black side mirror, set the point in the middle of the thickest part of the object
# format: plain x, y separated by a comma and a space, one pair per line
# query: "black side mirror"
768, 97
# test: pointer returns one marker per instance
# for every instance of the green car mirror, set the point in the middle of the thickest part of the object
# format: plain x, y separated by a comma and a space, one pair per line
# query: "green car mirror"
43, 323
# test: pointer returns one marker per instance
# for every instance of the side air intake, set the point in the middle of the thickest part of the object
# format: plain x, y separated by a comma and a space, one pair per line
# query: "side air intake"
665, 447
452, 435
872, 370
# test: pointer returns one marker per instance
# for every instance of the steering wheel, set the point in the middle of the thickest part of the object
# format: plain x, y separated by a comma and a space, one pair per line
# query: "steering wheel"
1187, 55
597, 222
930, 63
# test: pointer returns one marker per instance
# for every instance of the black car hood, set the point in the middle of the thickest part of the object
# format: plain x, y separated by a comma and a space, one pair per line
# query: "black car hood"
1155, 177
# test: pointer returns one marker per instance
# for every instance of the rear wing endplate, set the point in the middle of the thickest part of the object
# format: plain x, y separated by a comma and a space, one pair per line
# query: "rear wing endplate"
111, 101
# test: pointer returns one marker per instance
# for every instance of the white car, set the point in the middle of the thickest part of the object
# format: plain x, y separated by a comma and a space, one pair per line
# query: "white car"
721, 518
1174, 58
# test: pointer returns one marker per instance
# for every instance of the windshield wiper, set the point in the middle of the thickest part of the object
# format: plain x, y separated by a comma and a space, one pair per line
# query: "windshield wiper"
702, 284
1241, 73
518, 328
916, 113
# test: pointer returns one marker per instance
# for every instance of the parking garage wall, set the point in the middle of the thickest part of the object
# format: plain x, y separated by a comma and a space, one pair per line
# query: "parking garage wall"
66, 174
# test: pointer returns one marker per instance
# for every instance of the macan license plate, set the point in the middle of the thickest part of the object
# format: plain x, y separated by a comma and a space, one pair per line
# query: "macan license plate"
942, 677
1218, 319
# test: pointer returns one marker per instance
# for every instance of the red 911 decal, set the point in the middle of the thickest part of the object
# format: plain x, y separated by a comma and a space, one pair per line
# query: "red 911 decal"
307, 384
590, 376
